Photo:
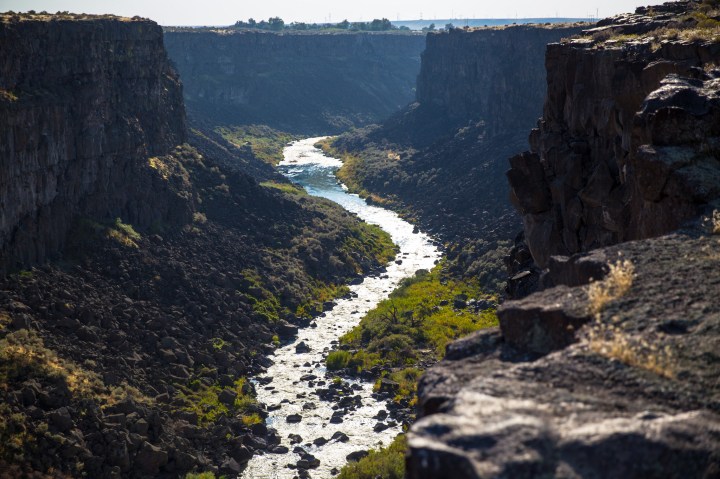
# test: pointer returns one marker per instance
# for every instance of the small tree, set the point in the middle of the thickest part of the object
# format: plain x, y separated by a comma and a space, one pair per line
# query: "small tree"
276, 23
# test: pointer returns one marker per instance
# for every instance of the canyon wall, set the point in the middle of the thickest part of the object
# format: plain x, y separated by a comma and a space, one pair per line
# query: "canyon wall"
492, 74
627, 145
309, 83
128, 356
75, 128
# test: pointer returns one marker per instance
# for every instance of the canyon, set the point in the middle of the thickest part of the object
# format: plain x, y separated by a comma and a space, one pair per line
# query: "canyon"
153, 267
148, 274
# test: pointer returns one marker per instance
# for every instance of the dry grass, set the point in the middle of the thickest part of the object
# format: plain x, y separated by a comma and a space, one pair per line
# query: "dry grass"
8, 95
23, 353
615, 285
612, 342
199, 218
609, 340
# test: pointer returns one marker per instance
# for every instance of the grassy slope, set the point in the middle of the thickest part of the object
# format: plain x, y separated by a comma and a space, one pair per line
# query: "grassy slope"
410, 329
266, 143
398, 339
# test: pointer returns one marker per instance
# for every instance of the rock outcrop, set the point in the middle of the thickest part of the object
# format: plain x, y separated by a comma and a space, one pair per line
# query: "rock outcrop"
611, 368
627, 146
306, 83
75, 127
635, 396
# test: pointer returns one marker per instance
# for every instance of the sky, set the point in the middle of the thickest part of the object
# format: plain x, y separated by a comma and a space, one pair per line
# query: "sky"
225, 12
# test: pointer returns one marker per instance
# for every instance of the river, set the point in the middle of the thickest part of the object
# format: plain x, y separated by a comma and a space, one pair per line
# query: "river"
308, 166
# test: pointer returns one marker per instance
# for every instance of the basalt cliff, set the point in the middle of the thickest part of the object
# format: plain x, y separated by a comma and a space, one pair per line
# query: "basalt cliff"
305, 83
611, 368
76, 126
146, 270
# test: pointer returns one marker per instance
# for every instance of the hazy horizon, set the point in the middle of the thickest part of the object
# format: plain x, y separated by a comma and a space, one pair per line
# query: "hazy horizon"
226, 12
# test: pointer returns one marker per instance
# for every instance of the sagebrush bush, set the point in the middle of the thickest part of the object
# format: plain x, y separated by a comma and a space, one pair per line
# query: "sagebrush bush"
337, 360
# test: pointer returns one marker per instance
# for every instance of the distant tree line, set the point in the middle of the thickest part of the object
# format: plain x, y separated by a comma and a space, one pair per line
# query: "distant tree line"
277, 24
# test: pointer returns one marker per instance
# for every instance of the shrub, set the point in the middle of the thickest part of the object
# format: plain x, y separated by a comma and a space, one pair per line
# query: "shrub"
715, 222
337, 360
23, 355
387, 463
200, 475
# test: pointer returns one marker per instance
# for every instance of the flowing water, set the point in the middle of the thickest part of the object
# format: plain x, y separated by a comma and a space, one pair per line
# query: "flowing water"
308, 166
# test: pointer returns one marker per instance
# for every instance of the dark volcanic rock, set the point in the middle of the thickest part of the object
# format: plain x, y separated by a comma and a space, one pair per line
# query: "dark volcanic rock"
544, 324
294, 418
356, 456
150, 458
624, 151
640, 386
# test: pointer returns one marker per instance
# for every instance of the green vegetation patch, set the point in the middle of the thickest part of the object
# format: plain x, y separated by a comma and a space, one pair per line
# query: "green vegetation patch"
415, 323
372, 240
289, 188
266, 143
320, 293
387, 463
86, 232
206, 401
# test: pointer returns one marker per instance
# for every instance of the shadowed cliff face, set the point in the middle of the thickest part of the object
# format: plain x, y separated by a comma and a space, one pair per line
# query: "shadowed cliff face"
301, 83
77, 126
179, 271
495, 75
